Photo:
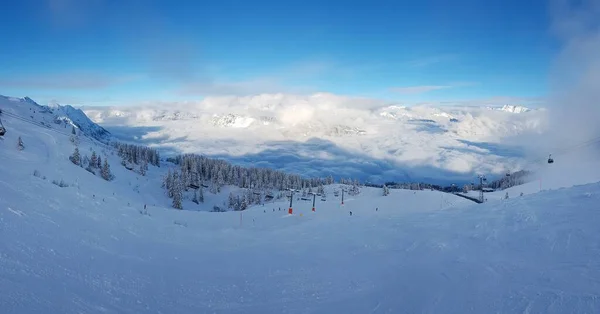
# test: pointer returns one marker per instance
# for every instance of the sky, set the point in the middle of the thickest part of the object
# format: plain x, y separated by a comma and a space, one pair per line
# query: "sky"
127, 52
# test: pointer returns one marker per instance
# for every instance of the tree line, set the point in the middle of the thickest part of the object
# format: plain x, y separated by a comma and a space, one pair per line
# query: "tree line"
197, 172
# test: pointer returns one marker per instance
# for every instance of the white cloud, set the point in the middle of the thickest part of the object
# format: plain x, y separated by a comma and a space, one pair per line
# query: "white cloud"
388, 139
575, 76
498, 101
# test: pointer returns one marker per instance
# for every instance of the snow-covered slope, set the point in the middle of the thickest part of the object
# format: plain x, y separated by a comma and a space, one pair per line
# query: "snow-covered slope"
66, 251
89, 247
377, 140
52, 116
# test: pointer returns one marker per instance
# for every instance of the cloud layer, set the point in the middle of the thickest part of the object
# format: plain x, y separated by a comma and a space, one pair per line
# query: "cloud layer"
362, 137
575, 76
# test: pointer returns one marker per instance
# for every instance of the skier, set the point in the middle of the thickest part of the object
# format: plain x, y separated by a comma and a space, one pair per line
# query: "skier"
350, 213
144, 206
376, 208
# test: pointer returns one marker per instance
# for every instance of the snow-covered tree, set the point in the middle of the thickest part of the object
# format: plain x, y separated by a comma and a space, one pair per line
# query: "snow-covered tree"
243, 204
99, 163
168, 183
201, 195
386, 190
76, 157
136, 154
105, 173
74, 138
87, 164
232, 201
215, 173
93, 160
177, 191
20, 145
143, 168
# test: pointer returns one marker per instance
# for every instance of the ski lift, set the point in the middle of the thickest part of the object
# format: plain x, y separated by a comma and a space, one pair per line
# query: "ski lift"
550, 160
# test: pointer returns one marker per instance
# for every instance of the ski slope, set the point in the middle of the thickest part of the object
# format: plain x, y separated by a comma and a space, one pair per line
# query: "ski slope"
89, 247
572, 170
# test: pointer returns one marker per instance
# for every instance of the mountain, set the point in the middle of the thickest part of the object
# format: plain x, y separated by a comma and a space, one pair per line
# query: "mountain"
53, 116
329, 134
73, 242
512, 109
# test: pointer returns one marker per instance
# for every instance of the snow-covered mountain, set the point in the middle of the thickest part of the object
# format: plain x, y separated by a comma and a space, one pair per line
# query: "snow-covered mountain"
377, 140
53, 115
73, 242
511, 109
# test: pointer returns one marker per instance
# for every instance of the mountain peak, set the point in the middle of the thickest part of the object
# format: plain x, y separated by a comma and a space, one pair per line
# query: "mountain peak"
512, 108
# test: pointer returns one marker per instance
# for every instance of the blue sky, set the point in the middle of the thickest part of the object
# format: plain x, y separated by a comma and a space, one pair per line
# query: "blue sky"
110, 52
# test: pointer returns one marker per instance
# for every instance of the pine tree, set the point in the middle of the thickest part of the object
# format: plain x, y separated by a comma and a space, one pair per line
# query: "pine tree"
93, 160
20, 145
177, 191
243, 203
76, 157
231, 203
106, 175
169, 183
99, 164
386, 191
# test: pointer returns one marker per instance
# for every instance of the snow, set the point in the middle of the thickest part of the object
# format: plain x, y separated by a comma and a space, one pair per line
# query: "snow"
512, 109
88, 248
54, 116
